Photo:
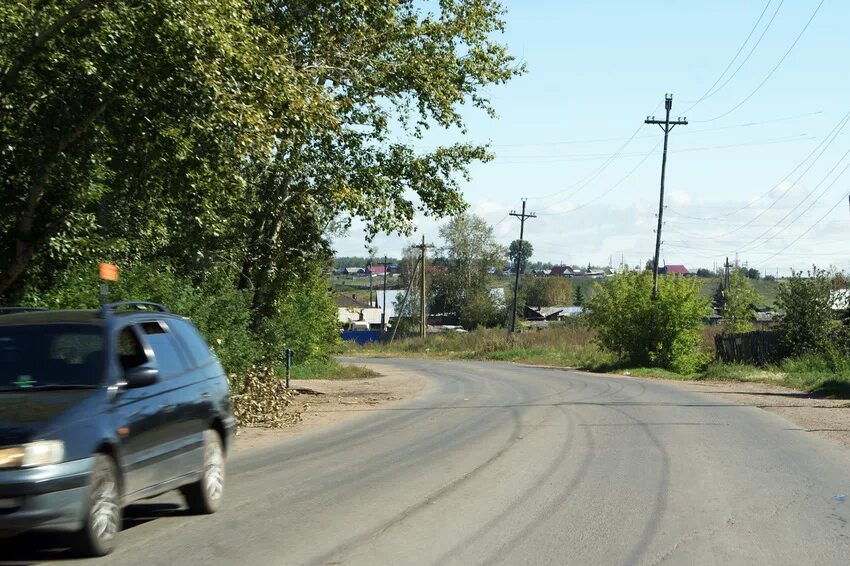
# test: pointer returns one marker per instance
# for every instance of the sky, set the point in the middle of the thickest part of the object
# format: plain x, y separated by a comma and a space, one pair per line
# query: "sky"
759, 173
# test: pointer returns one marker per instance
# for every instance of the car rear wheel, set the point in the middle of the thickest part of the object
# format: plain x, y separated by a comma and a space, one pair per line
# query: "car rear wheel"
103, 510
204, 496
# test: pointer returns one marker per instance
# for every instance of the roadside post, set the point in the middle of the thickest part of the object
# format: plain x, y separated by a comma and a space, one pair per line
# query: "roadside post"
289, 353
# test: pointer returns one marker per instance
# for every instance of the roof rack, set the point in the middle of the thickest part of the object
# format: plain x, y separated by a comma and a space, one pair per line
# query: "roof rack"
12, 310
139, 305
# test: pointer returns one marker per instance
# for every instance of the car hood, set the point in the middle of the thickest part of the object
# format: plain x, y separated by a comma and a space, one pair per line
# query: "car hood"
24, 414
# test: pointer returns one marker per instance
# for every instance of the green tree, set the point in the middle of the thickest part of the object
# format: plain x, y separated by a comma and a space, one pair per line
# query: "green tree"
642, 331
515, 252
740, 303
385, 71
578, 297
808, 319
137, 119
463, 288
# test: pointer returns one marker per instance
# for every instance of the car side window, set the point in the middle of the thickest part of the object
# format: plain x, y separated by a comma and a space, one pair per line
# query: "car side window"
131, 354
165, 349
193, 341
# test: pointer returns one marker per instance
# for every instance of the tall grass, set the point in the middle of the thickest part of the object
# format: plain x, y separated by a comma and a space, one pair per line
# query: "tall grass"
574, 347
564, 346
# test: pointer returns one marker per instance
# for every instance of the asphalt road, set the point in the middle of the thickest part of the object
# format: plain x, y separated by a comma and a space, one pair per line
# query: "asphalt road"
504, 464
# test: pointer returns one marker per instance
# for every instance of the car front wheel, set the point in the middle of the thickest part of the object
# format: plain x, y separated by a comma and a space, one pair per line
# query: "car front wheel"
204, 496
103, 509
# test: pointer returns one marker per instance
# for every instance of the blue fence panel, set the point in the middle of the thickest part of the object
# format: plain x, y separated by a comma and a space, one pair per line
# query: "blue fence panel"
361, 336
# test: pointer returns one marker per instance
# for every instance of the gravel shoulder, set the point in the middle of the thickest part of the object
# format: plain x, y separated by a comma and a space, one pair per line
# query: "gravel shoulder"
829, 418
324, 402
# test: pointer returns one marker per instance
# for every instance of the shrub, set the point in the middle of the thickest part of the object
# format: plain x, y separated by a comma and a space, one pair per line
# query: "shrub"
304, 319
664, 332
740, 299
808, 323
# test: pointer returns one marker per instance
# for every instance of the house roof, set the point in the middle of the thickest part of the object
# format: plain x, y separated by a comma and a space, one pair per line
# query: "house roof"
377, 269
675, 270
354, 270
560, 270
349, 302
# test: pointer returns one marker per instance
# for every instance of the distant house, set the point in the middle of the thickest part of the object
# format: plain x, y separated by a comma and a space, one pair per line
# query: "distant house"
561, 271
680, 270
377, 270
354, 271
354, 314
550, 314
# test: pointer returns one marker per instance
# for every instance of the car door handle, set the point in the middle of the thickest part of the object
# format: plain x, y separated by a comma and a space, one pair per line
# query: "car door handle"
205, 395
168, 408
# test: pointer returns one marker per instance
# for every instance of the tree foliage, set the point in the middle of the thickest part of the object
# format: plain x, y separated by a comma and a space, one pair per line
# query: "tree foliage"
463, 287
547, 291
740, 302
642, 331
232, 136
517, 252
807, 300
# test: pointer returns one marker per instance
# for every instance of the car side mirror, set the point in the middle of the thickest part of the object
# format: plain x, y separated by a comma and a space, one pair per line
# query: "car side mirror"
141, 376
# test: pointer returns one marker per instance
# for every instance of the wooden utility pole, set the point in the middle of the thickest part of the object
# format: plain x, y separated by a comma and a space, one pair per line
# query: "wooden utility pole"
384, 311
666, 125
422, 247
522, 217
404, 301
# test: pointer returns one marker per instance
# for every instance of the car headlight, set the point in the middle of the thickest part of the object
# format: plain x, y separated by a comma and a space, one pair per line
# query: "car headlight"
40, 453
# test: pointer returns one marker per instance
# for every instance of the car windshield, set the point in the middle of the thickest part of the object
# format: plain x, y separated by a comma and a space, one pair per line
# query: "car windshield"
50, 356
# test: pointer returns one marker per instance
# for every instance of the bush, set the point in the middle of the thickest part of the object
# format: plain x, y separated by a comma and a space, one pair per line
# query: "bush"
304, 319
663, 333
808, 324
481, 311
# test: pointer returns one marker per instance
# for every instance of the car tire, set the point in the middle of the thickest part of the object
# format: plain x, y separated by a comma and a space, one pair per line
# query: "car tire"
102, 510
205, 495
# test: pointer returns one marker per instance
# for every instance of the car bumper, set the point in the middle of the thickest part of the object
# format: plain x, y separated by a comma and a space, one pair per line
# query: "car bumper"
49, 497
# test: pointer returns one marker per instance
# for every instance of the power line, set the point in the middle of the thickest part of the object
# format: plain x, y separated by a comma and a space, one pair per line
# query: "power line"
610, 189
560, 158
689, 132
810, 228
828, 139
575, 188
807, 208
708, 93
772, 71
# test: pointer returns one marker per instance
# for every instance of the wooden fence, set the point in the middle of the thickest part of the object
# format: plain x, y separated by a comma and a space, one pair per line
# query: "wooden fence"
759, 348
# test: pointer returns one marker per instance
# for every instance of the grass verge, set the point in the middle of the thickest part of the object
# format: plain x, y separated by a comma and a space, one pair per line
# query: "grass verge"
574, 348
329, 369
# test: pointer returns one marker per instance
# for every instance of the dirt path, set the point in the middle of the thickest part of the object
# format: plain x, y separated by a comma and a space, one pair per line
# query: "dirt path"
323, 402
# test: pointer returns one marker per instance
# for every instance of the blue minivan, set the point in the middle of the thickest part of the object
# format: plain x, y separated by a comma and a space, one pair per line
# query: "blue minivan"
100, 408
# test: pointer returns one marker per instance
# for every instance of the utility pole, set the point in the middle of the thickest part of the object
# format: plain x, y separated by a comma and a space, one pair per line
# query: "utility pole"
665, 125
384, 311
422, 247
369, 270
522, 217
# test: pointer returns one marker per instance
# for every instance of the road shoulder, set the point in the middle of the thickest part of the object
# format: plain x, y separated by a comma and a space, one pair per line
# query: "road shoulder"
827, 418
321, 402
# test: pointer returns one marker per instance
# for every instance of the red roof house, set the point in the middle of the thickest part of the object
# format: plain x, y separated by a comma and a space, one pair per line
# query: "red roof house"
674, 270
